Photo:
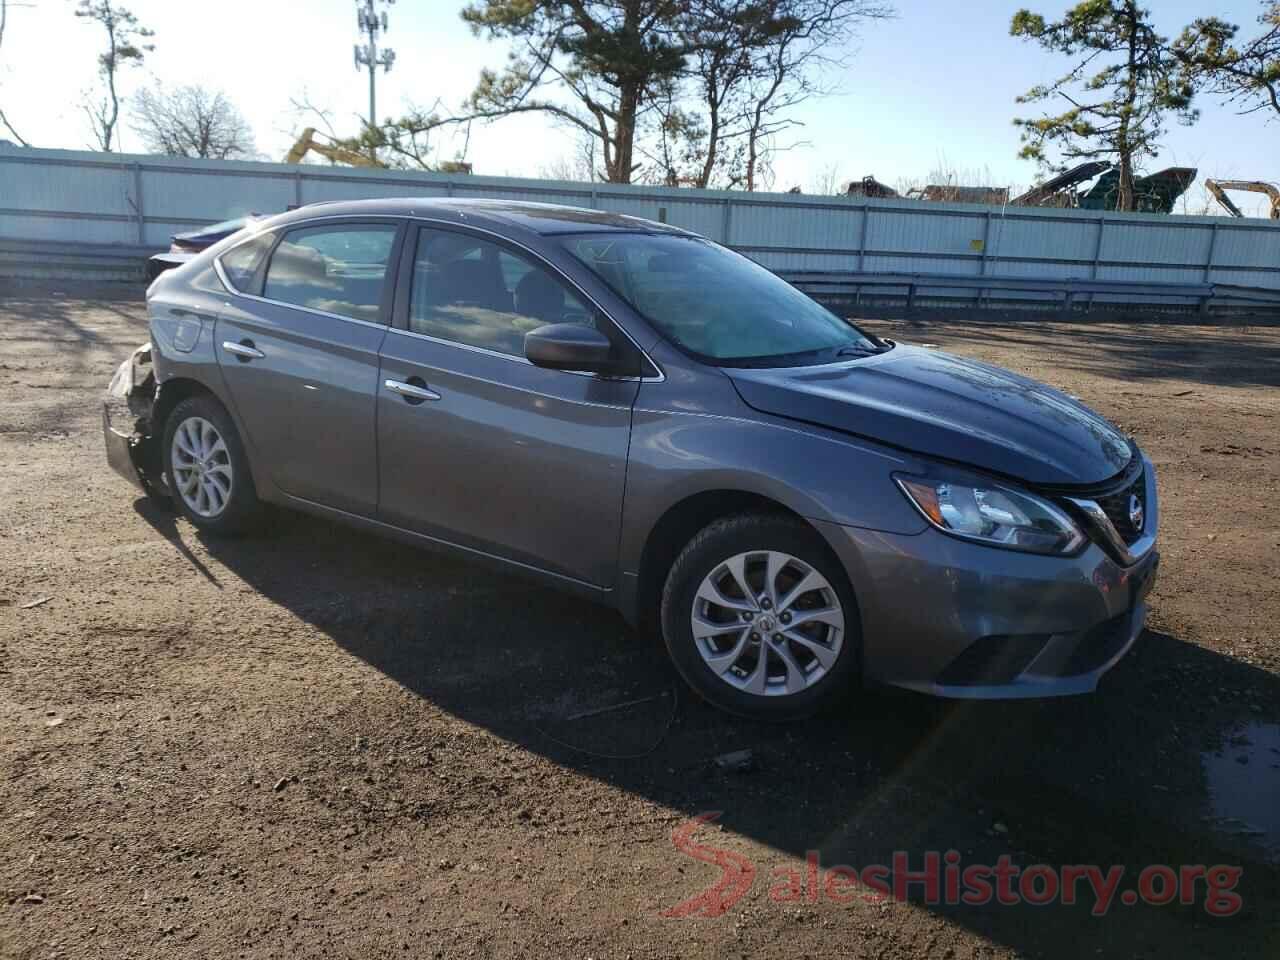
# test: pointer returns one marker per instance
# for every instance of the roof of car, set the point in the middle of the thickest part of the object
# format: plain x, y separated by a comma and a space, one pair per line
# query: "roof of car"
543, 218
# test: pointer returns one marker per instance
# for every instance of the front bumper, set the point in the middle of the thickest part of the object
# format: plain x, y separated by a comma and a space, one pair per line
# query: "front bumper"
958, 619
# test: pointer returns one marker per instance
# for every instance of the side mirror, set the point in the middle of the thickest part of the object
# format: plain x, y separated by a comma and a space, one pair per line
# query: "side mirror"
568, 346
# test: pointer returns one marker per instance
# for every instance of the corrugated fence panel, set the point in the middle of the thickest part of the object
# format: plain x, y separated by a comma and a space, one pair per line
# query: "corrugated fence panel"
323, 189
1021, 237
799, 227
180, 198
923, 232
1259, 247
104, 188
94, 198
1156, 243
68, 230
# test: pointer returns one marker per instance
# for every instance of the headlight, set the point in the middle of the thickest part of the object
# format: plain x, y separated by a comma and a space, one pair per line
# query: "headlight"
992, 514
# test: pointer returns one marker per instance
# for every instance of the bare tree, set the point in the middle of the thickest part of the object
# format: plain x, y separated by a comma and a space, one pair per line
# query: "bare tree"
191, 121
301, 107
4, 17
747, 63
793, 60
826, 181
125, 47
578, 166
751, 62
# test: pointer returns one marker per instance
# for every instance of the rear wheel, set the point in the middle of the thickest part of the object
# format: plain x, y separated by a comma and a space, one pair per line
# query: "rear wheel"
206, 467
759, 617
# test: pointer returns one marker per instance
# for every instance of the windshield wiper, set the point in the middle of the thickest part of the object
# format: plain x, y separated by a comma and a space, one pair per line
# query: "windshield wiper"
852, 351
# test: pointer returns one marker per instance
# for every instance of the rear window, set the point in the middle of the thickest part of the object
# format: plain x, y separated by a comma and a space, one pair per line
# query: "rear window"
338, 269
241, 263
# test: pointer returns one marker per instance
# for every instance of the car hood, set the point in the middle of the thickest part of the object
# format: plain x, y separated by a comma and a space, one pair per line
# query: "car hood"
949, 407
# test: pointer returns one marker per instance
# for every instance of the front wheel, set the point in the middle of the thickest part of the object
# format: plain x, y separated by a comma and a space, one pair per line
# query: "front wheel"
206, 467
759, 617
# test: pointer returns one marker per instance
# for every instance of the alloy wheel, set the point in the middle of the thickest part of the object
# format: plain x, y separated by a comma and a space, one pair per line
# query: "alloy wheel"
768, 623
202, 473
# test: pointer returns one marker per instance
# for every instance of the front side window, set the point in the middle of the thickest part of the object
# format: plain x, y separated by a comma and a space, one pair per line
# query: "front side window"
339, 269
477, 293
717, 304
240, 264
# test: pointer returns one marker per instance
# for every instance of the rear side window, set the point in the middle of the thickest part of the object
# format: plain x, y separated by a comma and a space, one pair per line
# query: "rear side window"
477, 293
339, 269
241, 263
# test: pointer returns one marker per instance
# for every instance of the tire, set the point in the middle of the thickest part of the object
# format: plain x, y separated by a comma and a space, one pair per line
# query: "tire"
227, 504
806, 663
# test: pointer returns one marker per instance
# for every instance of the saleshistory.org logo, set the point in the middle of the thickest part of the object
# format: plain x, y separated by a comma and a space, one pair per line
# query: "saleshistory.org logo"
942, 878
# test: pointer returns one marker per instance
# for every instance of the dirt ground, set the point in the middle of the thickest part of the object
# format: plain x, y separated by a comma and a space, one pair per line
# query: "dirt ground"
316, 743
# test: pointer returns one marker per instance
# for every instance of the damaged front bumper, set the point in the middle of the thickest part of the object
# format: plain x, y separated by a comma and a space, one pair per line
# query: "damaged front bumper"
126, 423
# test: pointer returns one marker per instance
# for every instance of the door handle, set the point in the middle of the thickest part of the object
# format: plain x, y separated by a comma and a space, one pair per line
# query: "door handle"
412, 392
244, 350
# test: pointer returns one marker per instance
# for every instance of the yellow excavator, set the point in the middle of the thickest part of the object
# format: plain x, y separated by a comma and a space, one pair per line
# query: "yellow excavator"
1219, 190
336, 153
327, 148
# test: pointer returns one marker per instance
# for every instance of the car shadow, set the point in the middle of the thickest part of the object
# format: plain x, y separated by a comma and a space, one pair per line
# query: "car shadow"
1115, 778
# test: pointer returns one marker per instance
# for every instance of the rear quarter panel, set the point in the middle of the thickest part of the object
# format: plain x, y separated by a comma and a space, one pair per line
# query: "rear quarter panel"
182, 315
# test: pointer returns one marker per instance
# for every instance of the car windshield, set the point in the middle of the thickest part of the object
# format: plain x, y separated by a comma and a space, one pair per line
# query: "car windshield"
717, 304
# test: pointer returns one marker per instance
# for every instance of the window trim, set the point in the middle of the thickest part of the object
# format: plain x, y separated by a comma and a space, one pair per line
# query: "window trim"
390, 280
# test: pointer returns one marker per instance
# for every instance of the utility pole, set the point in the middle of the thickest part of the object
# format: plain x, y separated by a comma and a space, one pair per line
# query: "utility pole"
367, 55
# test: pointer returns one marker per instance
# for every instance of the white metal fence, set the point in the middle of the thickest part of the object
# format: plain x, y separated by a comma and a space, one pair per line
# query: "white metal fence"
73, 199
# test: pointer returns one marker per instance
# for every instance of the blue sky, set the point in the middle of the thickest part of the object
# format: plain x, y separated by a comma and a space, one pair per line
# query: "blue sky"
935, 87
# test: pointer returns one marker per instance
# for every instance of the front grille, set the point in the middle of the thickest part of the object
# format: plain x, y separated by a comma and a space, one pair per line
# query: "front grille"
1116, 507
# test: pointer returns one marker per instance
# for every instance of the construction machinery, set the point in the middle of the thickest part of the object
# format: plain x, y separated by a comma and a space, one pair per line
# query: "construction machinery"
1060, 190
869, 187
328, 148
1219, 190
951, 193
334, 152
1155, 193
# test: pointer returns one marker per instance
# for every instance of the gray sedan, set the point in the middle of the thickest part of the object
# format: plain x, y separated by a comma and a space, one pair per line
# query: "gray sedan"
644, 418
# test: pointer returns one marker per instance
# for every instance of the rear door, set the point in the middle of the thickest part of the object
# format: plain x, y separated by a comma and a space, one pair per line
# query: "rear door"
298, 348
491, 452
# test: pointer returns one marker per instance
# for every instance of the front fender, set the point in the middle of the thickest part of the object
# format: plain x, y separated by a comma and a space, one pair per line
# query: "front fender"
676, 455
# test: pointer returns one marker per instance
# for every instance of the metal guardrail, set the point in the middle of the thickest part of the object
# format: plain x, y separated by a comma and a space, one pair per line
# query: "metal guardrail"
52, 260
1067, 291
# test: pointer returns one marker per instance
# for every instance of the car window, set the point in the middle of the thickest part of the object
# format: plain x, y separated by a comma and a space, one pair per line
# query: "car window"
717, 304
337, 269
477, 293
241, 263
